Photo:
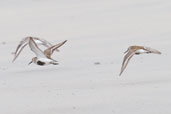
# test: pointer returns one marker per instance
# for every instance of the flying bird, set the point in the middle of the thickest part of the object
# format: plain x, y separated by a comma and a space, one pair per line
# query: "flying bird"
43, 58
24, 42
136, 50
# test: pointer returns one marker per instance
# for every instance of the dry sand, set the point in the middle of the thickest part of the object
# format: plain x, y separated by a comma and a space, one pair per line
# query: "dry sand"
98, 31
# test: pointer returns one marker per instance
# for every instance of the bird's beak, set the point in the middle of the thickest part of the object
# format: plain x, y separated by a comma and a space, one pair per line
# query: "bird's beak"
30, 62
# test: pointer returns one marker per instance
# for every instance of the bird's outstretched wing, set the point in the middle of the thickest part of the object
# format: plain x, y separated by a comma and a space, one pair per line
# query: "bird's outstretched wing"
36, 49
151, 50
45, 43
20, 47
48, 52
127, 57
24, 42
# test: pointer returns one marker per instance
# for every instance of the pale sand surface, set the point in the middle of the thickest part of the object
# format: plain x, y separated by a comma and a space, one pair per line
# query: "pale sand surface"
97, 31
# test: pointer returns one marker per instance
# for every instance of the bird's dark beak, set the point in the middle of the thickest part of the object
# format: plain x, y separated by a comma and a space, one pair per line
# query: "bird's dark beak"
30, 62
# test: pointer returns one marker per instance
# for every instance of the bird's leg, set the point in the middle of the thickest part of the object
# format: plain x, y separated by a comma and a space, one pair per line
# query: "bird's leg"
148, 52
55, 63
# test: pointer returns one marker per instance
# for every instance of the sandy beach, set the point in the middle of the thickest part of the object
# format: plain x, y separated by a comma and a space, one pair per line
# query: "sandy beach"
87, 80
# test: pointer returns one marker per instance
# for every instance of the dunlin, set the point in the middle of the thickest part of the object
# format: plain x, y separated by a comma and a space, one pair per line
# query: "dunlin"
136, 50
43, 58
24, 42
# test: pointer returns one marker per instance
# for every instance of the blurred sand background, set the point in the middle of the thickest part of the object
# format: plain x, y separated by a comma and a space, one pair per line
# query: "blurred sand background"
98, 31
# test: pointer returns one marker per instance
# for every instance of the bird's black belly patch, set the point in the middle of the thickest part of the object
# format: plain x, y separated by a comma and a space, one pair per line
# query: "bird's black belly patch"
40, 63
137, 53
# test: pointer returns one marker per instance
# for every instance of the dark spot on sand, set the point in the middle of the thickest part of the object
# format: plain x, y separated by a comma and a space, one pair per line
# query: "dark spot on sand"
3, 43
97, 63
73, 107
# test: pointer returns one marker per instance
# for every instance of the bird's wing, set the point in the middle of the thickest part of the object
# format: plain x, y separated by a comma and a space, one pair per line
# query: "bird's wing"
18, 52
46, 43
127, 57
24, 43
151, 50
36, 49
48, 52
20, 47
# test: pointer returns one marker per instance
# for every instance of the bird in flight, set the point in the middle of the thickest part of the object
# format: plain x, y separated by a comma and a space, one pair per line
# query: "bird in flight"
24, 42
132, 50
43, 58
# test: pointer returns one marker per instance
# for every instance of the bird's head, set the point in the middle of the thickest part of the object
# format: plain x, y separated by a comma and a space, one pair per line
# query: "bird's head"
33, 60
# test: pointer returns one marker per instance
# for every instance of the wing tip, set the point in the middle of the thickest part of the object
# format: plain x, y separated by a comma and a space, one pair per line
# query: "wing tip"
65, 41
121, 73
14, 59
